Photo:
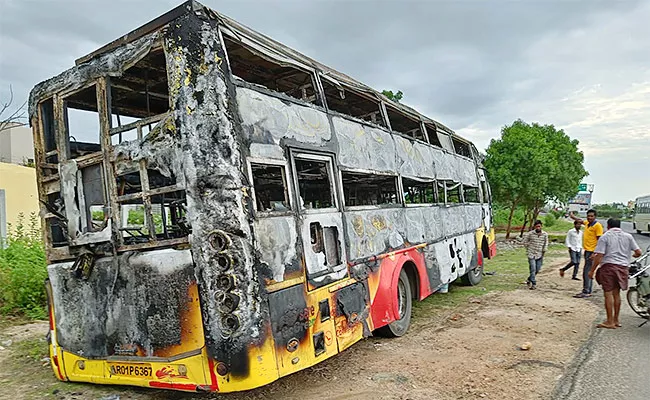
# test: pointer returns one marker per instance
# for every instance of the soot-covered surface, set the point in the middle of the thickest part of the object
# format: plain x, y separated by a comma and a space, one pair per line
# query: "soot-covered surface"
131, 300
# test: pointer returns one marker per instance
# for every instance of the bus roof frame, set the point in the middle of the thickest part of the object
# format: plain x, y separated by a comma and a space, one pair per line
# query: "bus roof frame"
240, 31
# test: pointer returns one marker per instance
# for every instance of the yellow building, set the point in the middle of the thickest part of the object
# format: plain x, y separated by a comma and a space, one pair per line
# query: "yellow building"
18, 195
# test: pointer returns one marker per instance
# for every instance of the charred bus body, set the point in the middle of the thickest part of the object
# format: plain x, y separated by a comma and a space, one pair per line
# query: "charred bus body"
234, 211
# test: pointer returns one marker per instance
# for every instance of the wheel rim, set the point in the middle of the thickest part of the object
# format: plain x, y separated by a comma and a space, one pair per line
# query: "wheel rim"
636, 303
401, 298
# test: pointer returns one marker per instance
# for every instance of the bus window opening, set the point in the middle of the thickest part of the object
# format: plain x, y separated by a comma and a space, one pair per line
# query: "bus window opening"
269, 185
362, 189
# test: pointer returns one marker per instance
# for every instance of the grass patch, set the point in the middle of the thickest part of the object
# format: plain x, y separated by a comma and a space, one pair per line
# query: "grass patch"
510, 268
34, 349
560, 226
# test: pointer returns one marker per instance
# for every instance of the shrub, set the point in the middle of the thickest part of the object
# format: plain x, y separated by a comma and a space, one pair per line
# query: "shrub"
549, 220
23, 270
501, 216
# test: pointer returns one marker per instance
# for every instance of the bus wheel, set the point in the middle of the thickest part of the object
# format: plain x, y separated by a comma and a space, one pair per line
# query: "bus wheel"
638, 231
472, 277
399, 327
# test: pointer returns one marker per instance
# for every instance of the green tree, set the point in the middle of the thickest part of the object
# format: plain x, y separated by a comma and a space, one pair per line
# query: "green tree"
396, 97
531, 164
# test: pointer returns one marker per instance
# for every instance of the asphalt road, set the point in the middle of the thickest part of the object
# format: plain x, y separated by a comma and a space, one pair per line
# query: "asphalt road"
613, 364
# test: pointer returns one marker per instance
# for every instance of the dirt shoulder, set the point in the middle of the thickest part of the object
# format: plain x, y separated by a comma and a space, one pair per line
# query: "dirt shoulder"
463, 346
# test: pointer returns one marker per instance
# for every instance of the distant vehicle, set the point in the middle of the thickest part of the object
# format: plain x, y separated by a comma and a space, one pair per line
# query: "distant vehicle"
641, 219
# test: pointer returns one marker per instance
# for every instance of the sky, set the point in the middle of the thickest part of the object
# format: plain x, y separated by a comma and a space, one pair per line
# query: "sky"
474, 65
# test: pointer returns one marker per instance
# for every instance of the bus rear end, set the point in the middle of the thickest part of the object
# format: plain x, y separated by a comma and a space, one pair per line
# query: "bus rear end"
150, 258
132, 319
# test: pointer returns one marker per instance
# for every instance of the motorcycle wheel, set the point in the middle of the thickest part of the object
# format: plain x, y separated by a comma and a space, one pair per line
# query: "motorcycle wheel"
636, 303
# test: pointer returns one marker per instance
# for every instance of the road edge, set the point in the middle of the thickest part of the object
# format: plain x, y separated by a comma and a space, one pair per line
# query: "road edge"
566, 384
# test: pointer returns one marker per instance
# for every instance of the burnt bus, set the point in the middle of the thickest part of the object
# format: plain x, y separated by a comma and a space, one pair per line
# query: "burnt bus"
220, 210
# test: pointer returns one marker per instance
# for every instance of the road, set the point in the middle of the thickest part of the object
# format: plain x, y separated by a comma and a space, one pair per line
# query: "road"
613, 364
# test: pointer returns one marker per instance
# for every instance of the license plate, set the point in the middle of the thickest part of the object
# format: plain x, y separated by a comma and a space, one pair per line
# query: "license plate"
132, 370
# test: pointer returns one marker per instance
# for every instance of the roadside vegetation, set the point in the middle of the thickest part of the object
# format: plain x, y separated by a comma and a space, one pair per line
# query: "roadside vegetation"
23, 271
530, 165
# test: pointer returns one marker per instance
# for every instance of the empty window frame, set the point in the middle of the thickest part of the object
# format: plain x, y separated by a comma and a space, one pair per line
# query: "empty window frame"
82, 122
346, 101
405, 124
270, 187
462, 148
432, 134
50, 147
364, 189
485, 192
152, 207
418, 192
255, 68
471, 194
140, 93
453, 193
314, 183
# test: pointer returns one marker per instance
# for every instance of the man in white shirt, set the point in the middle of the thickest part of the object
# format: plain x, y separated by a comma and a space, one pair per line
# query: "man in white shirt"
611, 265
574, 244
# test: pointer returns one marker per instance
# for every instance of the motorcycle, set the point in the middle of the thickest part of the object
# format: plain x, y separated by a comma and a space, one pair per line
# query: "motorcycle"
638, 294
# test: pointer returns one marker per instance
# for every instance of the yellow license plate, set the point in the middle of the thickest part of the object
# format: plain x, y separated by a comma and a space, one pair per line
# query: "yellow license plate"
132, 370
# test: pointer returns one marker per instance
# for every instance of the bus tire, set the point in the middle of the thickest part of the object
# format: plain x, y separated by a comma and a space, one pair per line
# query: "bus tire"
399, 327
473, 277
638, 231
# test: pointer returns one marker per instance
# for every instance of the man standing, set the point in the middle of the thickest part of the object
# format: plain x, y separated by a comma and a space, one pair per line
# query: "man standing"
593, 231
536, 243
613, 256
574, 244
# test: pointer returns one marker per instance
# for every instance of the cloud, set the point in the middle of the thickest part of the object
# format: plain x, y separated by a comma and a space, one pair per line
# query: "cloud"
475, 66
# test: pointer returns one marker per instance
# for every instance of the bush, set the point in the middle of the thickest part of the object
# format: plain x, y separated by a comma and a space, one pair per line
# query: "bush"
549, 220
23, 270
501, 216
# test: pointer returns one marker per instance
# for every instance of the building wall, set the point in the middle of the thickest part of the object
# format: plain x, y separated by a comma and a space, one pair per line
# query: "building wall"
16, 145
18, 185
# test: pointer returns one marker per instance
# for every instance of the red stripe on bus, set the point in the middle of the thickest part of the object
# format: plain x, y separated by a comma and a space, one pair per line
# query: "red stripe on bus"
214, 385
180, 386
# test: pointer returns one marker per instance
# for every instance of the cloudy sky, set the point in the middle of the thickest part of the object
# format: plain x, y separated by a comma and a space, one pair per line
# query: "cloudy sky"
473, 65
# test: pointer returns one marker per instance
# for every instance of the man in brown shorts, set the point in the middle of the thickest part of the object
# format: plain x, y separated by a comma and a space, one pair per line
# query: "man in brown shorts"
611, 264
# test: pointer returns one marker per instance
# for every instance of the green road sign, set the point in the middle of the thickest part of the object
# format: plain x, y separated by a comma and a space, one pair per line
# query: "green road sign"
582, 187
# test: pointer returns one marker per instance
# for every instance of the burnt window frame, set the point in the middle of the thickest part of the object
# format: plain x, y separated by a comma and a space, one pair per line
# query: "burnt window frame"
332, 175
399, 200
382, 119
464, 194
430, 182
288, 192
395, 109
227, 34
445, 140
432, 132
62, 133
452, 185
149, 119
459, 144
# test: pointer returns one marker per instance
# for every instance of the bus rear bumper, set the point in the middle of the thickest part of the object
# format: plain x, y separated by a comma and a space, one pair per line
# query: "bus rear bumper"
190, 374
